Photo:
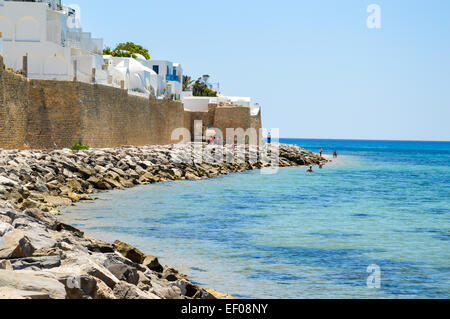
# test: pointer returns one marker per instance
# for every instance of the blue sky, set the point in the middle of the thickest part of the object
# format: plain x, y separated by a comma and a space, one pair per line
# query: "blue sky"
314, 66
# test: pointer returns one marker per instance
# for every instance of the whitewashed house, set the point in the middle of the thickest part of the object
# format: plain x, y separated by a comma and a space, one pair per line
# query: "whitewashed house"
50, 37
131, 74
170, 77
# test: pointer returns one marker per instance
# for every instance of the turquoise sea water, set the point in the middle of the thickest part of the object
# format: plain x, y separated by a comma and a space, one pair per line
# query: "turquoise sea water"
298, 235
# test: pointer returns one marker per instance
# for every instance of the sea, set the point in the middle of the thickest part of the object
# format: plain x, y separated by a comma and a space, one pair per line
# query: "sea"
373, 223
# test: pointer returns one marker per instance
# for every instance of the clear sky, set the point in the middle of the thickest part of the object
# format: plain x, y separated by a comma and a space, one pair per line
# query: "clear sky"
314, 66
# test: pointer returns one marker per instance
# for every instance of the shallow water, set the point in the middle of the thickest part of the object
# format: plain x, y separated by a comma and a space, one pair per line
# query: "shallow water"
298, 235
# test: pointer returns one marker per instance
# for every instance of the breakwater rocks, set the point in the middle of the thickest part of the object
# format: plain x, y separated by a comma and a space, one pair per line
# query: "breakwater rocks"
41, 257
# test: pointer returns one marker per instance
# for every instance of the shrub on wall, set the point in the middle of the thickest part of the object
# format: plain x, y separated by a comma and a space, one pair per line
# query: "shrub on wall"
79, 146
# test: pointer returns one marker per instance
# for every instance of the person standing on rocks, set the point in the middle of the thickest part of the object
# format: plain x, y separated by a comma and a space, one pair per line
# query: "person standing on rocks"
321, 151
335, 155
269, 138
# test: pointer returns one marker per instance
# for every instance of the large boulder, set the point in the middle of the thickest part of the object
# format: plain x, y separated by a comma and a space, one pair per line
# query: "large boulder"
33, 281
152, 263
39, 237
130, 252
103, 291
16, 244
170, 291
124, 273
78, 264
46, 218
79, 287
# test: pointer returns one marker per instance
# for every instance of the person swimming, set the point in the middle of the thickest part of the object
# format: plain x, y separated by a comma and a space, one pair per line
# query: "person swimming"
310, 170
320, 165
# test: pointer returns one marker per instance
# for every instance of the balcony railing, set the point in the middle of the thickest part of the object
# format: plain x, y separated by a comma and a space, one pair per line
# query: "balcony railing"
171, 77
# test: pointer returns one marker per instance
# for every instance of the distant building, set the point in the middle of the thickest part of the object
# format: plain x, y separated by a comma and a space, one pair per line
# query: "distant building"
200, 103
49, 36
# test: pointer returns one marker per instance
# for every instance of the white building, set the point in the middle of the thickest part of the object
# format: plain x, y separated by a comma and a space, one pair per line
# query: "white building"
161, 79
170, 77
135, 75
200, 103
49, 35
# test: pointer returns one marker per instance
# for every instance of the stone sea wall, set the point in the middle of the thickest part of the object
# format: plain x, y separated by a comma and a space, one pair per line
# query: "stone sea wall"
41, 114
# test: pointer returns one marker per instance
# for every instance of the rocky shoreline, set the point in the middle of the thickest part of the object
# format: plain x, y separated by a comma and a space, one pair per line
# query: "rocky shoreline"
41, 257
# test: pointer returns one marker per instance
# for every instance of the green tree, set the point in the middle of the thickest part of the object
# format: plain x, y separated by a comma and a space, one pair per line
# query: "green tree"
201, 88
187, 82
127, 50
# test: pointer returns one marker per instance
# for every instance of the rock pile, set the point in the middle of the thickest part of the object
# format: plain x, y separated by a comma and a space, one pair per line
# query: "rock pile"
43, 258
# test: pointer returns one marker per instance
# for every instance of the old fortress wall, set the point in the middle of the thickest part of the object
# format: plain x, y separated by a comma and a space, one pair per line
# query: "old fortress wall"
41, 114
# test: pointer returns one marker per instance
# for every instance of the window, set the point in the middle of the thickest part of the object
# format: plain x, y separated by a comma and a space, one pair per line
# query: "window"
156, 69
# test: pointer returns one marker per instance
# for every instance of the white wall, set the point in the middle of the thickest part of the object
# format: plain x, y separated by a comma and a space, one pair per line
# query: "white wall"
31, 29
197, 103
